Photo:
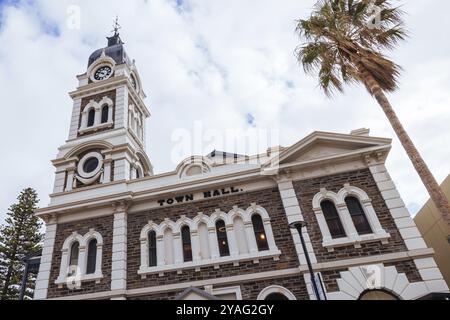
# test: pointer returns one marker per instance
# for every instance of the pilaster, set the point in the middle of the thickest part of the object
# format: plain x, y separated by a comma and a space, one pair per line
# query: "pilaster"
119, 247
294, 214
43, 278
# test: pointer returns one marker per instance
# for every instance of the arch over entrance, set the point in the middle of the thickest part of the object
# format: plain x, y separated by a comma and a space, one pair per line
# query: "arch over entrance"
378, 294
276, 293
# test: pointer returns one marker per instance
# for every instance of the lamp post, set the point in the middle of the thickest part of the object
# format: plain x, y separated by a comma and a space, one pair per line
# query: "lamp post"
299, 226
31, 264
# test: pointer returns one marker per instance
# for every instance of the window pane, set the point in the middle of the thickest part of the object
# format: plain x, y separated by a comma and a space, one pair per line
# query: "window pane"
90, 165
91, 118
73, 260
105, 111
186, 239
222, 238
358, 216
332, 218
260, 233
92, 257
152, 260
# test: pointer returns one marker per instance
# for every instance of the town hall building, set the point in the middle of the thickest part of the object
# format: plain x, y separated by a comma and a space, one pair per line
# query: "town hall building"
218, 226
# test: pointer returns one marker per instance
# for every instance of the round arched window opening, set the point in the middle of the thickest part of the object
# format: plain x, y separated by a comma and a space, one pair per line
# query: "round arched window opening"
90, 165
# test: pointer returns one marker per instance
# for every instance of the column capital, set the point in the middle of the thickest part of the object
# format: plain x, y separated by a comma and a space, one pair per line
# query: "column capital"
121, 206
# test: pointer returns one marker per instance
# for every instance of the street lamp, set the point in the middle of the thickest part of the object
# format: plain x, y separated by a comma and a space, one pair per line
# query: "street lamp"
299, 226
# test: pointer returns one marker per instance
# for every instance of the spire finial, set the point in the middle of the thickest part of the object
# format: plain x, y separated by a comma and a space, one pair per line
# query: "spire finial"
116, 26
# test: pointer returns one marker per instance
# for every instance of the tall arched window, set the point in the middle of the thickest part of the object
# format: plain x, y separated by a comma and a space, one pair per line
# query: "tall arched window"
152, 259
358, 216
332, 218
91, 256
222, 238
105, 113
73, 260
91, 118
260, 233
186, 239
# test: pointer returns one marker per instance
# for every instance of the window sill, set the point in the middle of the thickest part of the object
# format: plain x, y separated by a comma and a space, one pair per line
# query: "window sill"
356, 241
275, 254
82, 278
96, 128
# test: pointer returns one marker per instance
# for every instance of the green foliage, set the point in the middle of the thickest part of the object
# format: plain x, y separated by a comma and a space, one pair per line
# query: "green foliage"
343, 38
19, 237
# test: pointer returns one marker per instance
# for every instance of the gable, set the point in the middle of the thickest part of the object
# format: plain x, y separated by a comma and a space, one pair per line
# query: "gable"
322, 145
323, 149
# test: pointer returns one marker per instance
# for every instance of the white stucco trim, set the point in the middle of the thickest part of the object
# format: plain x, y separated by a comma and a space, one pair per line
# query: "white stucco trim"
119, 247
83, 242
226, 290
97, 107
294, 214
356, 280
43, 278
378, 233
275, 289
214, 259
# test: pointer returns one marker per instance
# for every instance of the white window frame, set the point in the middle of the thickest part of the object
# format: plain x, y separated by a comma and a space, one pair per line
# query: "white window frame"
275, 289
352, 236
215, 259
97, 106
82, 258
226, 290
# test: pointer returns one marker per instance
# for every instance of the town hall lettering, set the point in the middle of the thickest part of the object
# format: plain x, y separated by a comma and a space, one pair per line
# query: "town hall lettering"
205, 195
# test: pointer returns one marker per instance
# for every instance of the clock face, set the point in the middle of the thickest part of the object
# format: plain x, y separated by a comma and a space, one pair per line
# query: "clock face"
102, 73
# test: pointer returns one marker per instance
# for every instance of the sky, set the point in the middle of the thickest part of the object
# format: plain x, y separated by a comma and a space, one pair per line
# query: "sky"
223, 66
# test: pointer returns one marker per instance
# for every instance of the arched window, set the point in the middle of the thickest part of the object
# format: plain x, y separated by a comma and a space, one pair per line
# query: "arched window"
358, 216
260, 233
332, 218
186, 239
152, 260
222, 238
91, 256
73, 260
105, 113
91, 118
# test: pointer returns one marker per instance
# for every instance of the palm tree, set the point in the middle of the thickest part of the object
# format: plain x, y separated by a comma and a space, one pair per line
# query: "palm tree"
344, 40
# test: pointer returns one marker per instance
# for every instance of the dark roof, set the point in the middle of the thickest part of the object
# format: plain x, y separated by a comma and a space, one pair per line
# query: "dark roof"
115, 50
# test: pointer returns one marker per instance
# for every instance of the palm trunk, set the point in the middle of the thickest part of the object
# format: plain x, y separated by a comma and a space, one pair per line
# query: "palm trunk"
419, 164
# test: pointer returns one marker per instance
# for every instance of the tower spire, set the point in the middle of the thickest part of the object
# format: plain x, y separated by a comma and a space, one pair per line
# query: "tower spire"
115, 39
116, 26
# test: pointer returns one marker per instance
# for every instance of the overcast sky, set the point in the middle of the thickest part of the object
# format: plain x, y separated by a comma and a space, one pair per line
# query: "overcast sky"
224, 64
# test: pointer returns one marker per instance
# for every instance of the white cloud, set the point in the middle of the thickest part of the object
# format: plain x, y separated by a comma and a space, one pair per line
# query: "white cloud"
214, 62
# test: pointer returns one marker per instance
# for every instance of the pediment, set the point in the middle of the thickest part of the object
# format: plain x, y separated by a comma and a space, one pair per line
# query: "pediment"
193, 293
322, 145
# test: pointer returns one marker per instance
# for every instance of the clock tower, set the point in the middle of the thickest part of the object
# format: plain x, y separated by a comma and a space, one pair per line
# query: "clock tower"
106, 141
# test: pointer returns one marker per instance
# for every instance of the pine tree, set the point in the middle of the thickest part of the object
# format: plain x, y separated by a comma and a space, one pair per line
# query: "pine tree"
19, 237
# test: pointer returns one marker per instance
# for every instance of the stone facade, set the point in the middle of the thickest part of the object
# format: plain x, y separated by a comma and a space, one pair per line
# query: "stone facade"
269, 199
104, 226
363, 179
119, 202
